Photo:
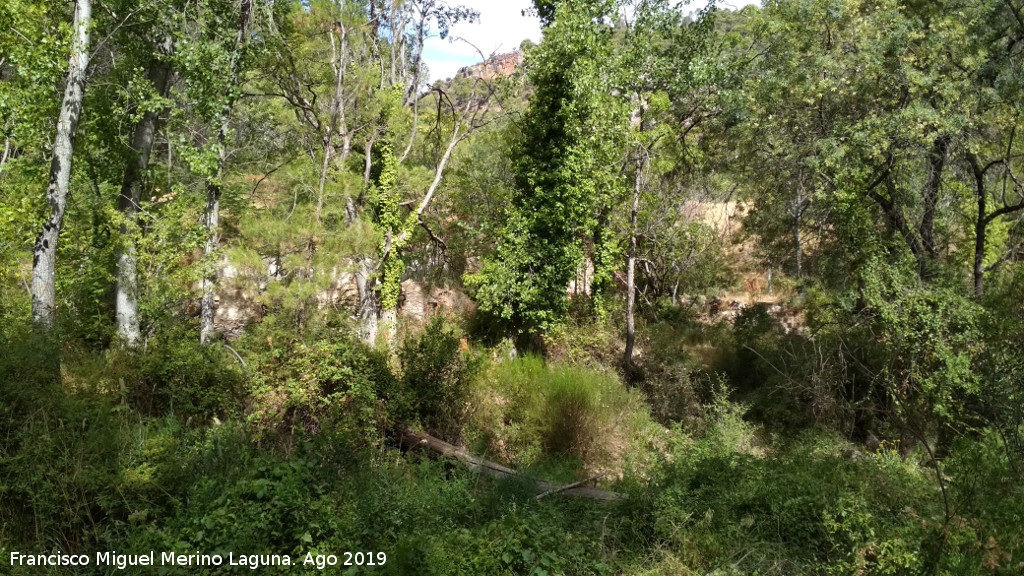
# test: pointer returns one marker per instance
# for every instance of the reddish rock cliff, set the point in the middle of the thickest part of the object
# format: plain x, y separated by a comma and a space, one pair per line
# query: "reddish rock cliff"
494, 67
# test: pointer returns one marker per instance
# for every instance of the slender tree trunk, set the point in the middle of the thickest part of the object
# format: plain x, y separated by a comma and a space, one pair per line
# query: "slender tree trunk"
350, 211
213, 187
328, 153
131, 194
44, 261
980, 231
412, 133
936, 165
897, 219
798, 246
7, 154
337, 123
365, 280
980, 225
368, 158
984, 218
631, 264
213, 191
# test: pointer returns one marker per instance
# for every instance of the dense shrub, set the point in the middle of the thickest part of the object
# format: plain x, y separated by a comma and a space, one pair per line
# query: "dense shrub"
176, 374
331, 382
435, 379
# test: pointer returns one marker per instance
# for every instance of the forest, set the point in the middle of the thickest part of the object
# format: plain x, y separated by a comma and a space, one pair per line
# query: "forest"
676, 290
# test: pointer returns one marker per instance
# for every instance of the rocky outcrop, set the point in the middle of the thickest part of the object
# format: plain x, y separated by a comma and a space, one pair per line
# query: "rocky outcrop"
240, 296
499, 66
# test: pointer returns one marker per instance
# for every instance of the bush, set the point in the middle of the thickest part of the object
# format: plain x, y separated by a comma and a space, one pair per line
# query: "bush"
435, 379
176, 374
334, 382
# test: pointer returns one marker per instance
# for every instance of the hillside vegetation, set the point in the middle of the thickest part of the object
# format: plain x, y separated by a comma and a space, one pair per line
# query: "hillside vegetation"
668, 293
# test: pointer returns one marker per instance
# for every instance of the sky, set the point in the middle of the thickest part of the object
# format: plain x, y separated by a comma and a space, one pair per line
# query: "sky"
502, 27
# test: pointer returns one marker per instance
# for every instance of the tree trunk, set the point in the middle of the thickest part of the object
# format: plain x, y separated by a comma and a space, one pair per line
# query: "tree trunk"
930, 195
213, 187
213, 190
7, 154
365, 280
798, 246
350, 211
412, 439
980, 232
128, 202
328, 153
631, 265
368, 158
897, 219
44, 262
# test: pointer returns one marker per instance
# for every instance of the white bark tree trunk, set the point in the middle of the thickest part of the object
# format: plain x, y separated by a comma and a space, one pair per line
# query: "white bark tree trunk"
44, 261
209, 305
631, 265
7, 153
127, 309
365, 280
208, 312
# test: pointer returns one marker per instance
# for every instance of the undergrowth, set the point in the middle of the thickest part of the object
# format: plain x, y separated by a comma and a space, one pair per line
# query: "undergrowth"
295, 453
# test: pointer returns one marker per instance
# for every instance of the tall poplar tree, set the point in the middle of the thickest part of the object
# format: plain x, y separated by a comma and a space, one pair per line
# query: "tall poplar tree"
44, 255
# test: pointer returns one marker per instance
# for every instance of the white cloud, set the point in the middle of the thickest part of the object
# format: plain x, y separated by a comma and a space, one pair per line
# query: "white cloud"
502, 27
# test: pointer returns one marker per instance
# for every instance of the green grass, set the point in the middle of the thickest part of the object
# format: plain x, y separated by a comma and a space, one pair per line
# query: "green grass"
530, 413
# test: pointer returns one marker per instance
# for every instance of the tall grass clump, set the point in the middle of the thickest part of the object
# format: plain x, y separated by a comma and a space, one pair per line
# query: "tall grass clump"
529, 411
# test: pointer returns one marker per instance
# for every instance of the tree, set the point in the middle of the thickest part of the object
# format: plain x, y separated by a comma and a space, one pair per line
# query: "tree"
662, 44
864, 117
44, 258
233, 52
142, 141
474, 114
566, 174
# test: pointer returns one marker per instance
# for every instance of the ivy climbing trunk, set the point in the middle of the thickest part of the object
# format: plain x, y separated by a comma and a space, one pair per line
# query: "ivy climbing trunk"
399, 234
44, 257
208, 310
143, 137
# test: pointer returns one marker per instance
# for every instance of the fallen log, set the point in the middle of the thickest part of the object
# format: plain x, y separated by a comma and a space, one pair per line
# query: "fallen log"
568, 487
413, 439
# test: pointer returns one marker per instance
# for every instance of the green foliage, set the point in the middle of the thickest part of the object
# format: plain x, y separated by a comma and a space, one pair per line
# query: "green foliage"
535, 411
331, 382
565, 180
870, 424
177, 375
436, 377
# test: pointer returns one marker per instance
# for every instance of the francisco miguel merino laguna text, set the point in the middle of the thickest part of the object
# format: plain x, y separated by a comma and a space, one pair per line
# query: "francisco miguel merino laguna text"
251, 561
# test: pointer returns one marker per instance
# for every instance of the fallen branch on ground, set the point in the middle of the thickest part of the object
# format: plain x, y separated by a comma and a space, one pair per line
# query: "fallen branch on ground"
413, 439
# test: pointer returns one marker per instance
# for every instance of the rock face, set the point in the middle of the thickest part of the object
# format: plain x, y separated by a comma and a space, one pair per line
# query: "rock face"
498, 66
239, 296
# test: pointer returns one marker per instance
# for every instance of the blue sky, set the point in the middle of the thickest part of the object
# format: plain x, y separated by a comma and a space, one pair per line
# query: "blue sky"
502, 28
